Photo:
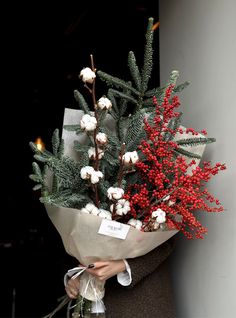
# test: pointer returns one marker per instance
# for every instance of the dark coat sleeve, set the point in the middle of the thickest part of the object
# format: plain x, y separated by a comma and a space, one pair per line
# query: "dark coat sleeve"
144, 265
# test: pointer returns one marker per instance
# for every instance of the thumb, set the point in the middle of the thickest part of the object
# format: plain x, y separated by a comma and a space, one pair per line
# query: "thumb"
97, 265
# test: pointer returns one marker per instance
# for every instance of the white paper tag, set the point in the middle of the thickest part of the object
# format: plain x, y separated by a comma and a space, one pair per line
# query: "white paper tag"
114, 229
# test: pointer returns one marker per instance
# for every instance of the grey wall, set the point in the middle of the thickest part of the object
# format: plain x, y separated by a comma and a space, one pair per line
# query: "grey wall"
198, 38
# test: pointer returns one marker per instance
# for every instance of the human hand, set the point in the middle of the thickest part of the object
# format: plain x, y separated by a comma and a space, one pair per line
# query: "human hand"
72, 287
106, 269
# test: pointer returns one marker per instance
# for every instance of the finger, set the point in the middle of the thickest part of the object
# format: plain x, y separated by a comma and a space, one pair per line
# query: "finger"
74, 283
98, 264
72, 293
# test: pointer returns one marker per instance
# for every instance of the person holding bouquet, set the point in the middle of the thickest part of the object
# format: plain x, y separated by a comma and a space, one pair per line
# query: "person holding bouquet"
118, 186
136, 287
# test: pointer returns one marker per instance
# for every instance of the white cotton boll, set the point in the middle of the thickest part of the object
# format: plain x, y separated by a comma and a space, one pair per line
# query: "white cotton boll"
105, 214
84, 210
86, 172
122, 207
87, 75
95, 211
160, 215
104, 103
101, 138
135, 223
156, 226
96, 176
130, 157
89, 207
92, 153
115, 193
88, 123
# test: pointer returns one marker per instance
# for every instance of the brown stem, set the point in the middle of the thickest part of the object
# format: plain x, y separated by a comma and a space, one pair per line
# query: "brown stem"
121, 169
88, 88
114, 209
93, 86
96, 159
97, 202
148, 225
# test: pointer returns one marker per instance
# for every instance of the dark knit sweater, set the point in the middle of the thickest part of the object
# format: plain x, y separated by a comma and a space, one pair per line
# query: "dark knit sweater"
149, 294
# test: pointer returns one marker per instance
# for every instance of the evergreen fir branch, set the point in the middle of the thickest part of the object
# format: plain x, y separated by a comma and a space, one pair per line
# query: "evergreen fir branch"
148, 103
113, 140
111, 96
111, 159
172, 81
35, 178
74, 127
55, 142
123, 102
122, 128
83, 160
34, 148
46, 153
117, 82
150, 116
131, 178
56, 198
123, 184
180, 87
104, 205
76, 200
102, 114
61, 149
195, 141
81, 147
173, 78
173, 124
66, 170
103, 187
134, 70
117, 110
157, 91
148, 53
37, 187
135, 132
186, 153
41, 158
37, 170
124, 96
55, 184
114, 114
82, 102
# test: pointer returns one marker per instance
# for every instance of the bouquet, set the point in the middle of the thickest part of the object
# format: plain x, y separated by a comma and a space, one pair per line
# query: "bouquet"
125, 176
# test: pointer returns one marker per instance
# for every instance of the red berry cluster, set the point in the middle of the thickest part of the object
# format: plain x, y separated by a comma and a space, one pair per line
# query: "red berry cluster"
166, 180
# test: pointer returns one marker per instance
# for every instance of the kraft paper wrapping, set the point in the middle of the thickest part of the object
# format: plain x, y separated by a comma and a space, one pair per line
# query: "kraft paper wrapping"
79, 231
80, 237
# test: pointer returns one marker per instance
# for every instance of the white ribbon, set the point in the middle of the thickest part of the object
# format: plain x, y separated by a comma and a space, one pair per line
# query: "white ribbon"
89, 288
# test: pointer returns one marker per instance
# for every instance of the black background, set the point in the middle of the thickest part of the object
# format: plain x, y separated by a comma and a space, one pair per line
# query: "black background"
43, 48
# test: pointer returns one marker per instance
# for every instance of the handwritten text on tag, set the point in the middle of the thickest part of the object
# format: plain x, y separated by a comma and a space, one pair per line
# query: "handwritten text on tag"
114, 229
